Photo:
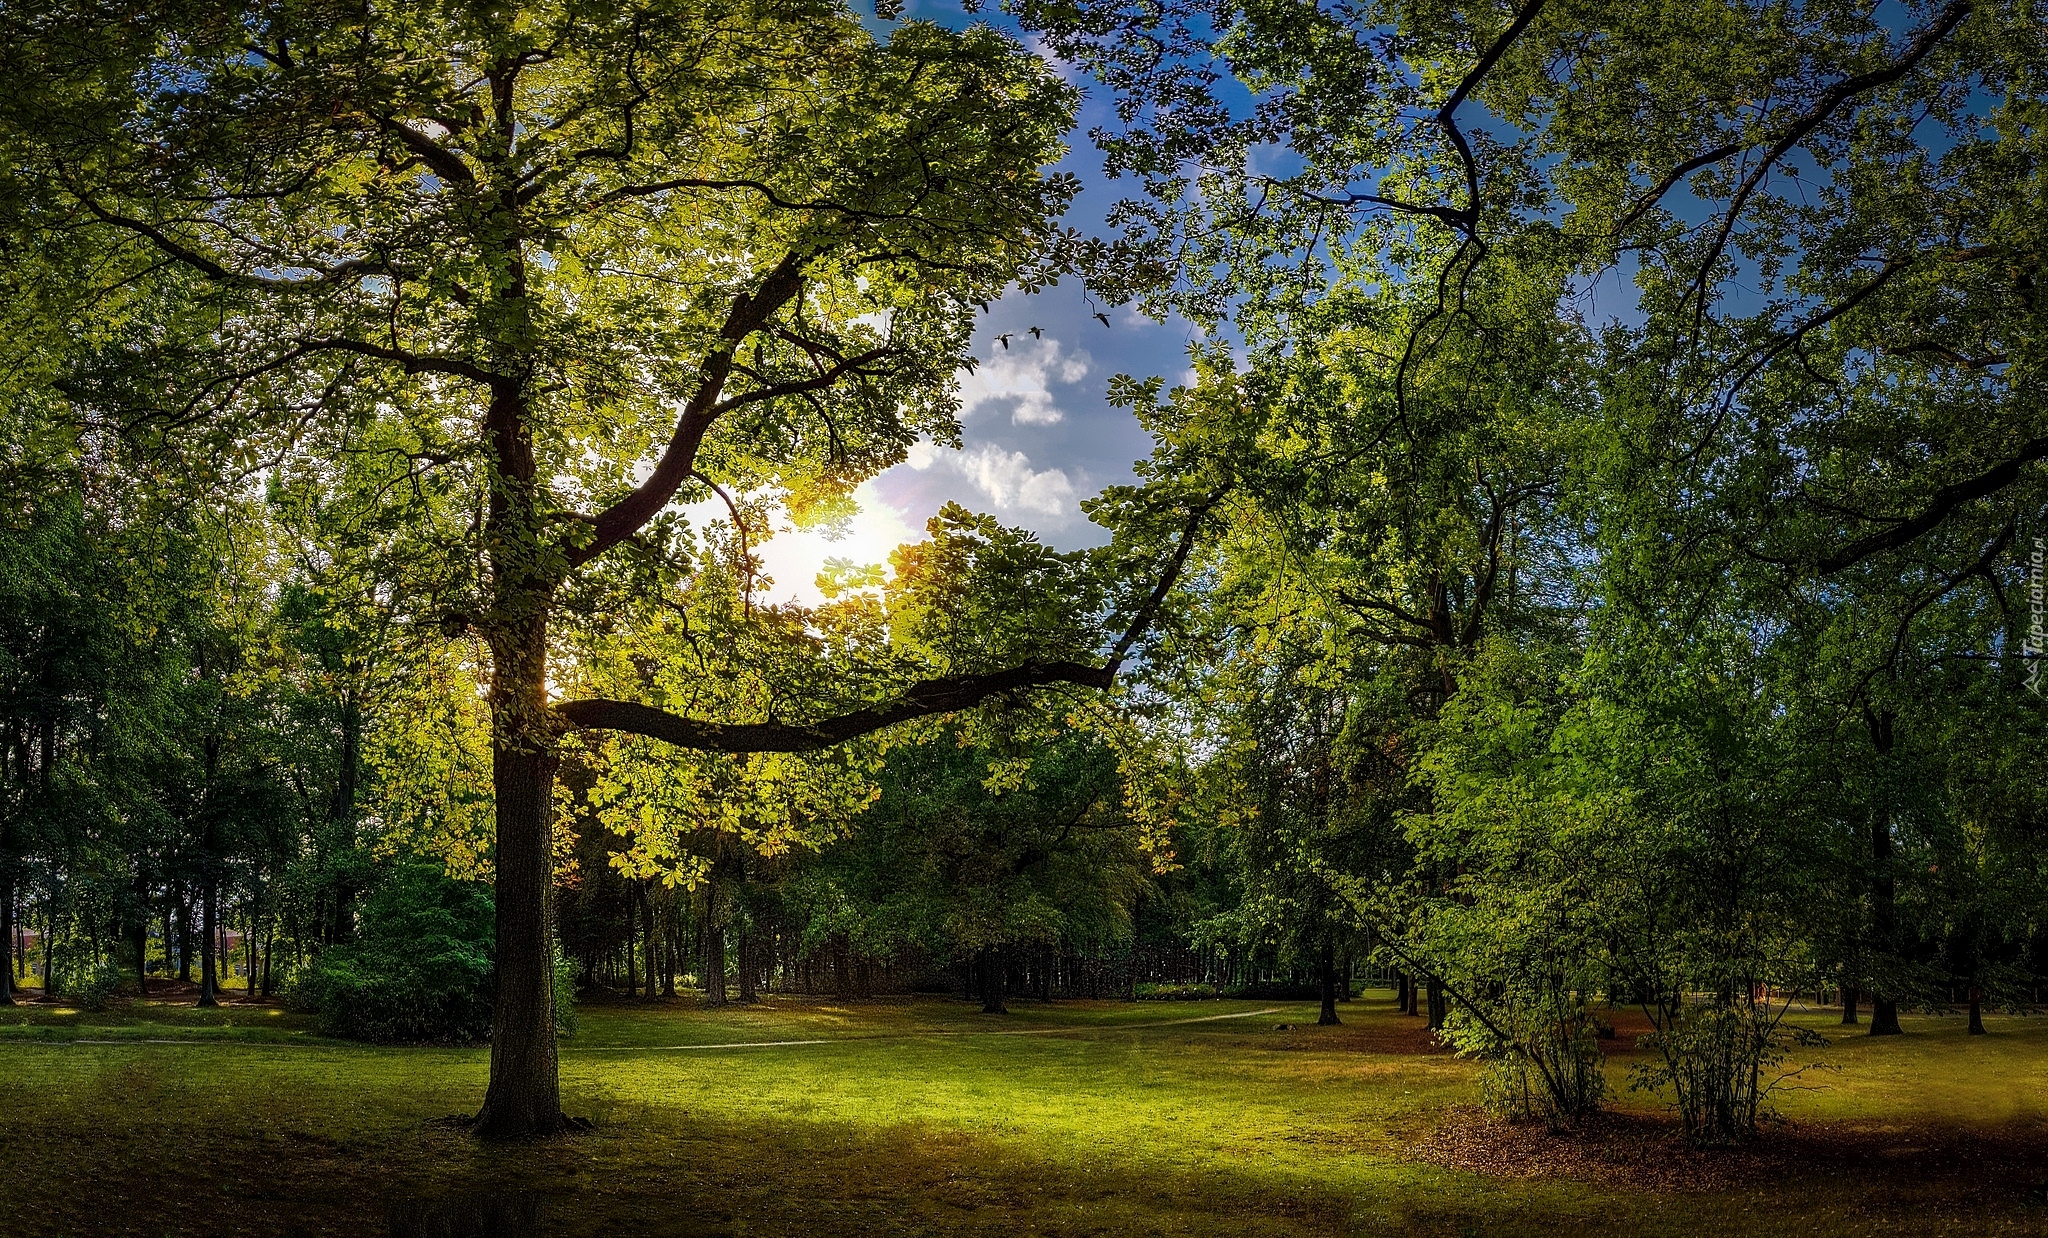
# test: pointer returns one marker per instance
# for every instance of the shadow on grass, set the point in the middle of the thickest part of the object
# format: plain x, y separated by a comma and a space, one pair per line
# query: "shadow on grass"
513, 1214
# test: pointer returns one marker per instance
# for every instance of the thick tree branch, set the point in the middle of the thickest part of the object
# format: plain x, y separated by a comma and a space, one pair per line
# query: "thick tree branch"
411, 362
774, 199
679, 459
942, 695
219, 272
1142, 621
933, 696
1944, 503
1677, 174
1446, 118
446, 163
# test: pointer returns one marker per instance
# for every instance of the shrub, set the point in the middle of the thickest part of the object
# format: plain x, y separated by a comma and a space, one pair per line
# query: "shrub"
1552, 1069
420, 968
565, 993
1720, 1062
88, 982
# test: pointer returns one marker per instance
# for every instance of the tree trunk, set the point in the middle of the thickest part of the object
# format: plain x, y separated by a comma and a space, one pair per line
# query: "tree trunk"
1884, 1009
139, 938
50, 950
1850, 996
1328, 1016
669, 936
524, 1098
209, 900
714, 951
1438, 1008
341, 815
1976, 1010
992, 968
632, 947
748, 962
184, 936
647, 935
6, 935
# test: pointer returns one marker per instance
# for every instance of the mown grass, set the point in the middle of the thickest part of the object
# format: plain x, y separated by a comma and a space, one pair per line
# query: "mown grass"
926, 1117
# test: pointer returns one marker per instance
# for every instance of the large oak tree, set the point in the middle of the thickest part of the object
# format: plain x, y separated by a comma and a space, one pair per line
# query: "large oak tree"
577, 263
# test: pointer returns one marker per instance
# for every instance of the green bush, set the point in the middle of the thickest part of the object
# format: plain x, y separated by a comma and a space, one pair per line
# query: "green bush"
88, 982
565, 994
420, 968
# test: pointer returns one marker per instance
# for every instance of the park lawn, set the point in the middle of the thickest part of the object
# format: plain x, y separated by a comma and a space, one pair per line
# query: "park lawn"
926, 1117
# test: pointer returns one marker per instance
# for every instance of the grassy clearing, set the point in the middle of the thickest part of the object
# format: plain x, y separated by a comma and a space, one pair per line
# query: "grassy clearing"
926, 1117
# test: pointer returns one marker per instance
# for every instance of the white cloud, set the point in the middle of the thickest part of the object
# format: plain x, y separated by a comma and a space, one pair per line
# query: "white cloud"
1009, 481
1021, 376
1005, 479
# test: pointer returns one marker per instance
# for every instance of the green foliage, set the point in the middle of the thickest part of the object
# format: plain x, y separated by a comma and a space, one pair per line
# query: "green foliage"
420, 968
1719, 1061
565, 993
88, 982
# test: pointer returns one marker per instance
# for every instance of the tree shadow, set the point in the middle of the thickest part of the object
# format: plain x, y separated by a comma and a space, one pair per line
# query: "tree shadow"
498, 1214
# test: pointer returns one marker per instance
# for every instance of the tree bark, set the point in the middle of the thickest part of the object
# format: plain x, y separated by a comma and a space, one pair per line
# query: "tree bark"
341, 816
524, 1097
992, 977
632, 948
1439, 1009
748, 961
184, 936
647, 935
1328, 1016
6, 935
1884, 1008
208, 909
50, 950
714, 951
1850, 996
139, 938
1976, 1010
669, 950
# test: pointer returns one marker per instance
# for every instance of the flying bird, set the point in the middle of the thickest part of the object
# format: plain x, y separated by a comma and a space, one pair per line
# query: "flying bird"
1036, 331
1004, 340
1104, 317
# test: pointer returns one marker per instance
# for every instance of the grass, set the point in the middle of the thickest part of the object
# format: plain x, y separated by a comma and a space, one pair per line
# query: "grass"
926, 1117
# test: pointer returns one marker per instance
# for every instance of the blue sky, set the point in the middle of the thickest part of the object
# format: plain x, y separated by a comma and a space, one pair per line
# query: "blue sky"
1038, 434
